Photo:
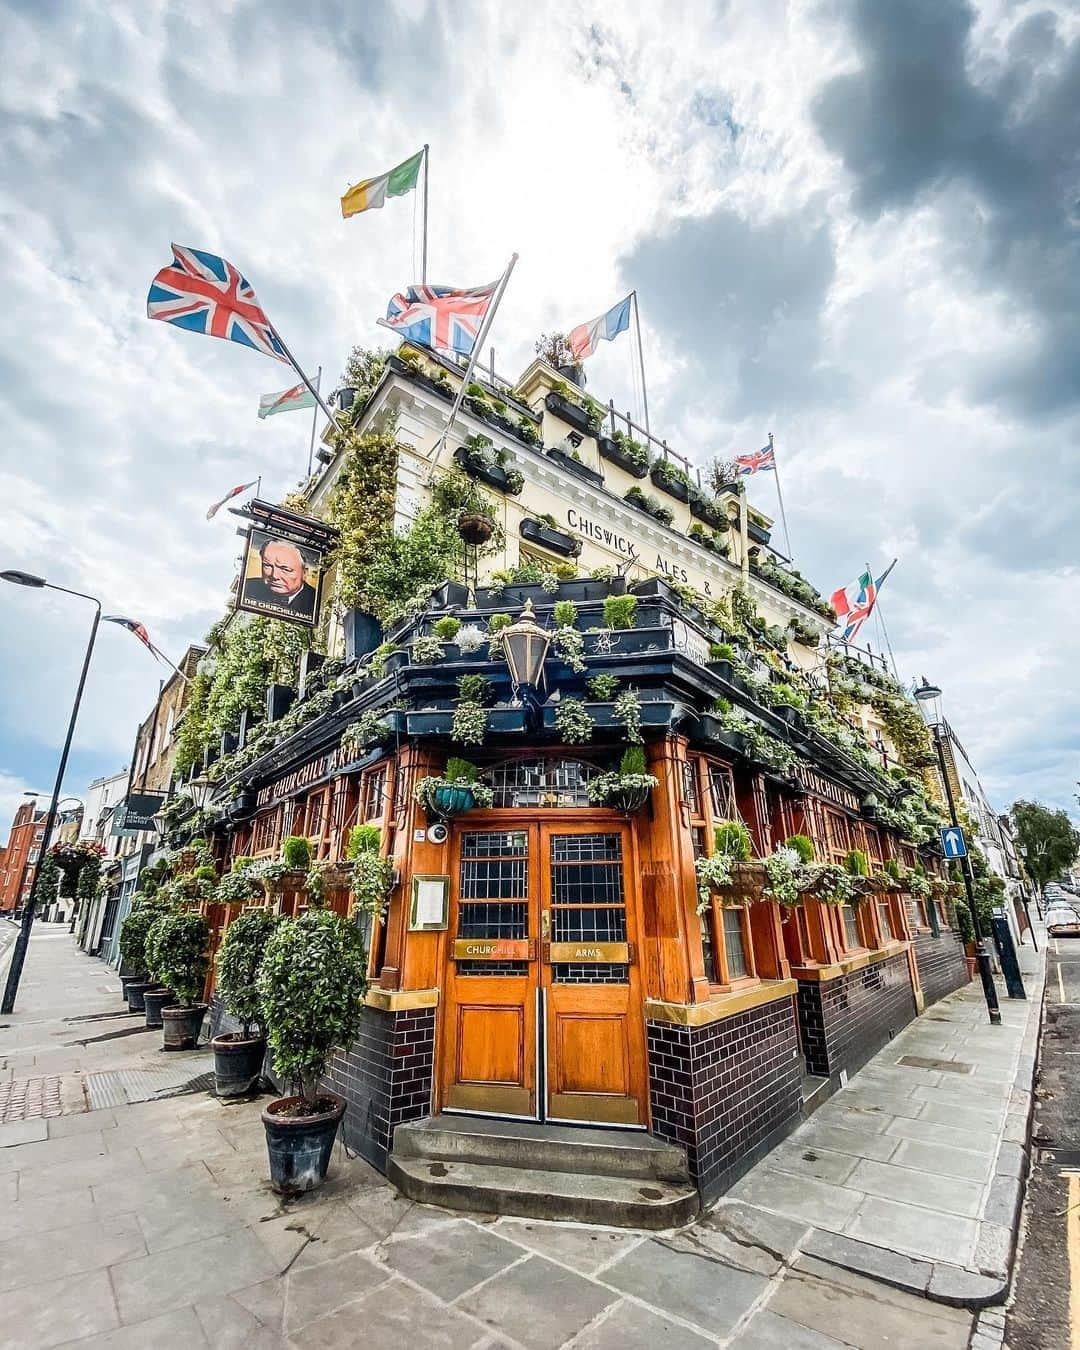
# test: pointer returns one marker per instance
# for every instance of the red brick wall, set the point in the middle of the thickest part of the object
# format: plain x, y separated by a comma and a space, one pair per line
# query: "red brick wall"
17, 874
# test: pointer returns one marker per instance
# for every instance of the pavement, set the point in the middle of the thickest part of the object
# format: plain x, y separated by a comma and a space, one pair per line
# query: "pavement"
151, 1222
1044, 1311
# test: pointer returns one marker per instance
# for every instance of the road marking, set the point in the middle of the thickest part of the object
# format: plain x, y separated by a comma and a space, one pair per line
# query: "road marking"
1073, 1239
1061, 986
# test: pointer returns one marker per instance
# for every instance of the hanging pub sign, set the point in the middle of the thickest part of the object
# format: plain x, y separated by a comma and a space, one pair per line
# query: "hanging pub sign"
136, 813
281, 579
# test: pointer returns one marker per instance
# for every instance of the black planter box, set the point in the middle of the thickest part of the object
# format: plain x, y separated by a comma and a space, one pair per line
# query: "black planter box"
628, 641
757, 533
279, 699
558, 541
674, 488
570, 413
587, 589
653, 715
787, 714
707, 510
723, 669
435, 722
450, 595
494, 475
659, 587
506, 721
363, 633
610, 449
512, 597
395, 661
575, 466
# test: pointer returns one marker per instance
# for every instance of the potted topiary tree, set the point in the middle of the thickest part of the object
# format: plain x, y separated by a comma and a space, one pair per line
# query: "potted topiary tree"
311, 984
178, 954
133, 934
156, 994
238, 1055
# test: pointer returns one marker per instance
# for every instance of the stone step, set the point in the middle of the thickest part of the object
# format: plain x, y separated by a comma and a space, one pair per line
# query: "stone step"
619, 1202
631, 1154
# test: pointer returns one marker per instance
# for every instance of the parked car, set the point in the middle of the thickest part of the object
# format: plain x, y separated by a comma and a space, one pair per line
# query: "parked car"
1062, 919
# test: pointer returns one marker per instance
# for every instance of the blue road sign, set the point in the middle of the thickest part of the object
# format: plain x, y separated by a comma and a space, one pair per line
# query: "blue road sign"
952, 842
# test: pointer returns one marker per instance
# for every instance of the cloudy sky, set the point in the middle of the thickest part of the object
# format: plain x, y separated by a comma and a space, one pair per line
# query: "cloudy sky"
852, 224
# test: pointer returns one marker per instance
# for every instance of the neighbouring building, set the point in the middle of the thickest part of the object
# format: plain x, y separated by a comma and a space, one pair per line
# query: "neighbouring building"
552, 956
141, 790
25, 845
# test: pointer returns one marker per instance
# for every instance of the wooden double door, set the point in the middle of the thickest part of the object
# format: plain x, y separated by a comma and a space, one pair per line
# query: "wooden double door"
542, 1015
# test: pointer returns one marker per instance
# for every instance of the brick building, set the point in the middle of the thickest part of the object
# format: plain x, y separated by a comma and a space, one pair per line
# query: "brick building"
551, 954
25, 845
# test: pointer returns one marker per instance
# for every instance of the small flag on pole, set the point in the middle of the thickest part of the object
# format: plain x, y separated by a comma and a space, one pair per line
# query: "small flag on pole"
289, 400
206, 294
373, 192
140, 632
583, 339
758, 462
441, 317
236, 491
855, 602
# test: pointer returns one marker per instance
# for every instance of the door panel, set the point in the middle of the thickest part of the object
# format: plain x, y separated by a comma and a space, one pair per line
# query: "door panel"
489, 1026
594, 1032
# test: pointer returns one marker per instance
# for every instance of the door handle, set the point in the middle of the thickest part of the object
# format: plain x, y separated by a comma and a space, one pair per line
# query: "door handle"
545, 924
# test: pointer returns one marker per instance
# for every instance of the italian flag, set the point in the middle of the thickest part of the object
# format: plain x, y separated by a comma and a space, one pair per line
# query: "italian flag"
373, 192
289, 400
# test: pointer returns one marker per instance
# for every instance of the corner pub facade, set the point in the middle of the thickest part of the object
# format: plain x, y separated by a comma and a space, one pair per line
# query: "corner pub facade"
543, 971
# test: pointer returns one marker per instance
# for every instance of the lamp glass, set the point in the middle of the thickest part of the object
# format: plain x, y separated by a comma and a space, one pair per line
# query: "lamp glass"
525, 645
199, 790
928, 697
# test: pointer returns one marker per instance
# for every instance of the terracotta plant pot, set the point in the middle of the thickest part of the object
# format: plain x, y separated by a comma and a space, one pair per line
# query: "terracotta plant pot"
154, 999
134, 993
299, 1147
182, 1026
973, 966
238, 1065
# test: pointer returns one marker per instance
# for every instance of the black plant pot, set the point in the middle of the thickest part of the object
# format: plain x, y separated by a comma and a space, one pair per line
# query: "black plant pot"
571, 414
575, 466
363, 633
787, 714
558, 541
299, 1147
704, 508
126, 981
610, 450
450, 595
238, 1065
135, 992
672, 486
154, 999
182, 1026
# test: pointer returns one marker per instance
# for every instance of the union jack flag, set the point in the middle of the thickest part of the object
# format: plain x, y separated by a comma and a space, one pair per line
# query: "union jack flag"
440, 317
207, 294
133, 626
757, 462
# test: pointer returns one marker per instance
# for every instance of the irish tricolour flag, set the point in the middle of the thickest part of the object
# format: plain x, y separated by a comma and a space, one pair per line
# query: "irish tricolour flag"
289, 400
373, 192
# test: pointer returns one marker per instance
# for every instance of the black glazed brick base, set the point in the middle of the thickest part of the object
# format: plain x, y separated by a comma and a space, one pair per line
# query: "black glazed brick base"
727, 1091
385, 1078
846, 1020
941, 964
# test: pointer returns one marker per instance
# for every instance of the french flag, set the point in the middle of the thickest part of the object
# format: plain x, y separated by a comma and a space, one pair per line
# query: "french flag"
582, 340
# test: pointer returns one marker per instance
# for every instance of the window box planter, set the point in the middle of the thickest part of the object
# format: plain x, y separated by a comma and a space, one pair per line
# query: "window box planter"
363, 633
450, 595
654, 512
657, 586
787, 714
653, 715
722, 669
557, 541
512, 597
506, 721
582, 590
628, 641
758, 533
229, 742
494, 475
575, 466
570, 413
708, 510
243, 805
433, 722
674, 487
611, 450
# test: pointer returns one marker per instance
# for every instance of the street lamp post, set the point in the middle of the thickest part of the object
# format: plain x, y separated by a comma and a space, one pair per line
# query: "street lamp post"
22, 941
928, 697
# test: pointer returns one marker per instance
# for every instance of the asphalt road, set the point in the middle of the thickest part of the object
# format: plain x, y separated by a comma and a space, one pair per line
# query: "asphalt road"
1045, 1312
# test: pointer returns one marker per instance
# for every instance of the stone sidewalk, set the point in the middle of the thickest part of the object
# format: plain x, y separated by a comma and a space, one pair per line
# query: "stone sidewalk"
152, 1224
914, 1172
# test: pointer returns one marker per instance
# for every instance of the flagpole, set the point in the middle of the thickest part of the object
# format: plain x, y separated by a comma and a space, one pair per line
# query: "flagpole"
311, 388
314, 419
881, 617
423, 244
780, 498
641, 363
477, 345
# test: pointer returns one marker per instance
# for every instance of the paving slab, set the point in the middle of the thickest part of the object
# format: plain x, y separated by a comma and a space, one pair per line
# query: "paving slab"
55, 1311
537, 1303
183, 1275
585, 1249
395, 1315
915, 1231
179, 1330
460, 1257
952, 1195
769, 1331
628, 1326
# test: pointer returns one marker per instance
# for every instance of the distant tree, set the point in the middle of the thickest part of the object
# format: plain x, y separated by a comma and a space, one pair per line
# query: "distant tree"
1046, 840
555, 350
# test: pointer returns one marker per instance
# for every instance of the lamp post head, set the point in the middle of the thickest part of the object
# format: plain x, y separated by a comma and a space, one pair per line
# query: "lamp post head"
525, 646
200, 790
928, 697
23, 579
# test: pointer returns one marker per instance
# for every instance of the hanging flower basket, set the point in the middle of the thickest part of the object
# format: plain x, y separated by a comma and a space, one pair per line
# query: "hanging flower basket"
747, 882
444, 799
624, 792
71, 859
475, 527
337, 876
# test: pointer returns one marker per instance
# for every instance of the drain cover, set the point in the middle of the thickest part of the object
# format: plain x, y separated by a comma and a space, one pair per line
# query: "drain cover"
120, 1087
948, 1065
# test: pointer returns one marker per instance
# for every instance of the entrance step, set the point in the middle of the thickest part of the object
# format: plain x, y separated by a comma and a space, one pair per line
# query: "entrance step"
624, 1178
620, 1202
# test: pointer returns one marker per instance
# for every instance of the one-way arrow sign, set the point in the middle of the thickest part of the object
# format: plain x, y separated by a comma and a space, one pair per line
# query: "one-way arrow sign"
952, 842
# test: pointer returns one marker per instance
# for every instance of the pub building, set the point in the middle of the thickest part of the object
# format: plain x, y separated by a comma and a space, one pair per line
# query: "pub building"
547, 976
